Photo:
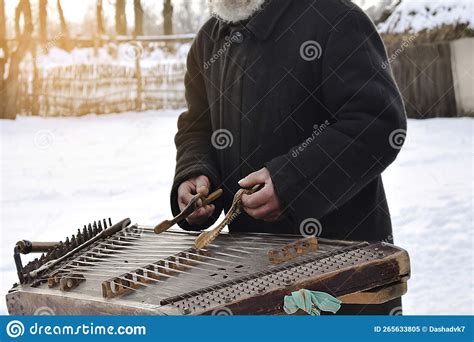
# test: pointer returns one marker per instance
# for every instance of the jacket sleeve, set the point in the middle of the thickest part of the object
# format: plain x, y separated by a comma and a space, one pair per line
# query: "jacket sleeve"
368, 118
195, 155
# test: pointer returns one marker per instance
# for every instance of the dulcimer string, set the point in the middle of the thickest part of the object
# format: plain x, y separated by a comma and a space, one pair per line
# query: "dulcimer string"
133, 250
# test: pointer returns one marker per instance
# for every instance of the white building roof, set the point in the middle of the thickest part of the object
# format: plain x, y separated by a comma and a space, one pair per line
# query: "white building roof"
413, 16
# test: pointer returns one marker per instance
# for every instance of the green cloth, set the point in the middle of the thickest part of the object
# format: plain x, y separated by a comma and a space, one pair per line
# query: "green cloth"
313, 302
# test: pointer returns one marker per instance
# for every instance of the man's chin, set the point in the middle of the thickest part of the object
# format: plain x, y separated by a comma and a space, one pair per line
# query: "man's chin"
235, 10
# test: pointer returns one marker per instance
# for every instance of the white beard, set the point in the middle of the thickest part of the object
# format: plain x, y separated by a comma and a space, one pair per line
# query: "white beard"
235, 10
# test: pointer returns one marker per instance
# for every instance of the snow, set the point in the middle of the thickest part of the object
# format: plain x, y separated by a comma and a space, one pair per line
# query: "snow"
59, 173
116, 54
429, 190
413, 16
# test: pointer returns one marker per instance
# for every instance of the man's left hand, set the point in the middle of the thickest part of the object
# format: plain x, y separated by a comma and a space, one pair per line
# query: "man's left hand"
264, 204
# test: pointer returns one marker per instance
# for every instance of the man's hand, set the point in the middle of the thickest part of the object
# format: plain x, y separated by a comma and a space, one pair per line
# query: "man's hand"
263, 204
186, 192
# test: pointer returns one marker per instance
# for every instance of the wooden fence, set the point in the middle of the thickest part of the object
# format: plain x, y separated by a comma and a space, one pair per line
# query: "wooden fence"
75, 90
424, 75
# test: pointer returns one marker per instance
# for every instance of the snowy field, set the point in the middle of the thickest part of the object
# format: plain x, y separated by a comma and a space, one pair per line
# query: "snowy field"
59, 173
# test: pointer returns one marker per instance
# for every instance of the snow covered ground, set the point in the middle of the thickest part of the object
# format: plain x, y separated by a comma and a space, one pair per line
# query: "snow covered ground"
59, 173
112, 54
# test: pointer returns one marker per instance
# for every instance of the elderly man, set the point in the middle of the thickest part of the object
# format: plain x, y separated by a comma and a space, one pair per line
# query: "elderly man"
295, 95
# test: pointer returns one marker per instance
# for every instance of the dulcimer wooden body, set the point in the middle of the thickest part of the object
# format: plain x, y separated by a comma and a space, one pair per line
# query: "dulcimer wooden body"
137, 272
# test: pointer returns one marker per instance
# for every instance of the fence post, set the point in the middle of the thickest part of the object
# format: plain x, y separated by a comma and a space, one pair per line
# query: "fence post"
138, 75
36, 81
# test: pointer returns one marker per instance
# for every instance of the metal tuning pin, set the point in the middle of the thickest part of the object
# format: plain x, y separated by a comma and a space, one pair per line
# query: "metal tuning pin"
55, 252
89, 240
80, 239
61, 248
89, 231
73, 241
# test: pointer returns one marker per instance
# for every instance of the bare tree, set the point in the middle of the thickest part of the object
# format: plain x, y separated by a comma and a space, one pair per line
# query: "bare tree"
138, 11
100, 18
65, 42
43, 22
9, 82
3, 45
167, 17
120, 18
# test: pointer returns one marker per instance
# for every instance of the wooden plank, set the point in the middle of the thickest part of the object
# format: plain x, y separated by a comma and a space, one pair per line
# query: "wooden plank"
378, 295
27, 300
293, 250
364, 277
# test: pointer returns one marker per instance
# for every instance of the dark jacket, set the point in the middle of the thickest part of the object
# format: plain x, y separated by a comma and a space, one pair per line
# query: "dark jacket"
303, 89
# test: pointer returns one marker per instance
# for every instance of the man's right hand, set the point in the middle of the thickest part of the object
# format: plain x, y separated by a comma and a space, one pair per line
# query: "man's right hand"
187, 190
